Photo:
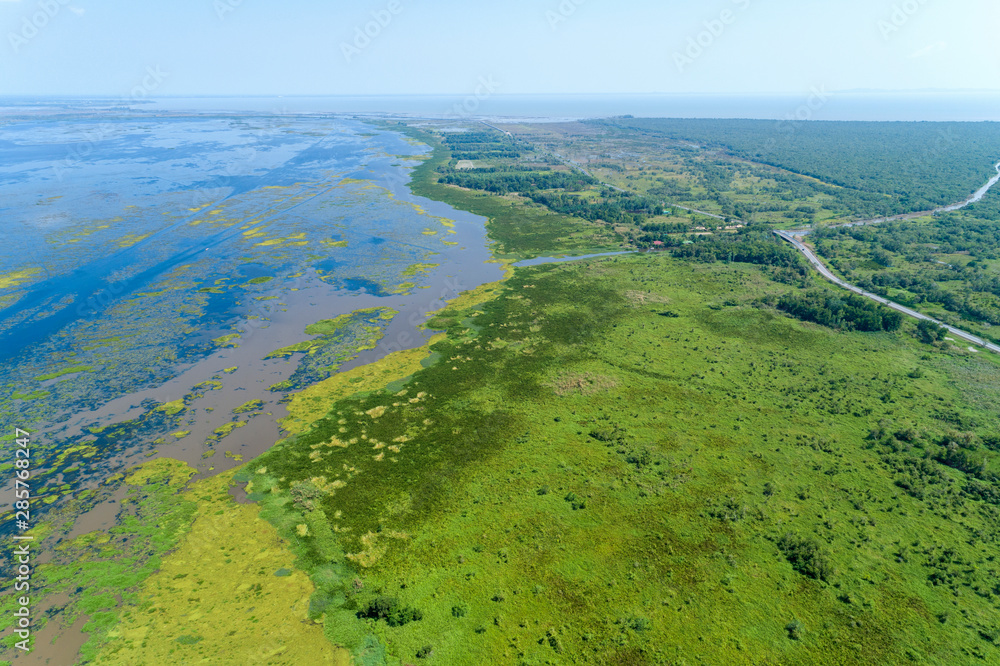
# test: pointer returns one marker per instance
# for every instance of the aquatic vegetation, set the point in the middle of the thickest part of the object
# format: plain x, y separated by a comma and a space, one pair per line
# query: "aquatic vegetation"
17, 278
63, 372
249, 406
340, 339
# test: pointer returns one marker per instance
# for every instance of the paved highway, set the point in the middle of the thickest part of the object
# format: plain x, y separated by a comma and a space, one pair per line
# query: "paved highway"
794, 237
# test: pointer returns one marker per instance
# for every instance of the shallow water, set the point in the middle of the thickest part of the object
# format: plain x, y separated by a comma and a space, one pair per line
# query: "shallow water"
139, 242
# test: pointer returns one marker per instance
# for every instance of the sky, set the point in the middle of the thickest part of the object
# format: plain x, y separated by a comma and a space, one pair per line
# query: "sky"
125, 48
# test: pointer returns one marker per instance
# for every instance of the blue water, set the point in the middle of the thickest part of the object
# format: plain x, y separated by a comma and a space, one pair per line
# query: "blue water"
809, 104
150, 230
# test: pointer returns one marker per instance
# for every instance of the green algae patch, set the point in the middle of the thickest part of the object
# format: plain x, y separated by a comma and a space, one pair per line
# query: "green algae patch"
249, 406
403, 288
172, 473
172, 408
217, 599
419, 269
180, 434
264, 279
64, 372
225, 430
17, 278
227, 340
338, 340
35, 395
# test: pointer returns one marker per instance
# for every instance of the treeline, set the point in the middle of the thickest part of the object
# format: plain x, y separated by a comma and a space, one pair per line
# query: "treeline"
557, 190
482, 145
848, 312
883, 167
518, 181
613, 207
752, 247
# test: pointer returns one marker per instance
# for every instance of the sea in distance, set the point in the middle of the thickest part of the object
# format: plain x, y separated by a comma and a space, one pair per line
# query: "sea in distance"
815, 103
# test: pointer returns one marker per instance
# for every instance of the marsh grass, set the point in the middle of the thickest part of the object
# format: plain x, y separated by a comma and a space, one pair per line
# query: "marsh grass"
662, 534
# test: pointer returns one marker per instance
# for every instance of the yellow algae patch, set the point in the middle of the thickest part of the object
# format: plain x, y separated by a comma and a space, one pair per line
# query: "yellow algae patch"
256, 232
128, 240
372, 550
9, 299
16, 278
180, 434
328, 487
333, 243
429, 232
473, 297
332, 442
228, 595
376, 412
313, 403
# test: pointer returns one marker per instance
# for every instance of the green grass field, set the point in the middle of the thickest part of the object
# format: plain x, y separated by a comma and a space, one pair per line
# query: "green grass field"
628, 461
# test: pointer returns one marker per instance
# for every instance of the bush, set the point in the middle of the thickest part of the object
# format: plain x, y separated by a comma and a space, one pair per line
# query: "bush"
389, 609
425, 651
794, 629
805, 557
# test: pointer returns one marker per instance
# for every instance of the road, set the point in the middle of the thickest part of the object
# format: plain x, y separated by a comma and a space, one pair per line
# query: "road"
793, 237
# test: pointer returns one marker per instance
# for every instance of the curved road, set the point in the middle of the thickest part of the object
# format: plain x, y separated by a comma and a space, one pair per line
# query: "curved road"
794, 237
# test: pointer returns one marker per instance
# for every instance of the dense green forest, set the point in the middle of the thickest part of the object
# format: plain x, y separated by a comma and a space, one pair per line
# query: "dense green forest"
878, 167
752, 247
849, 312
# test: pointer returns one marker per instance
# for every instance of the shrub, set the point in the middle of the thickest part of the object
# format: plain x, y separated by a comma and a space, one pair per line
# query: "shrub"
794, 629
805, 556
389, 609
425, 651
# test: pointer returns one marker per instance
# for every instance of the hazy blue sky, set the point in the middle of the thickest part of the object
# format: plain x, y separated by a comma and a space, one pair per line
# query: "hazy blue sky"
125, 47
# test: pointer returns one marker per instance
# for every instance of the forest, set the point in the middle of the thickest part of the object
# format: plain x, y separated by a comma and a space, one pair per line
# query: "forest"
877, 168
